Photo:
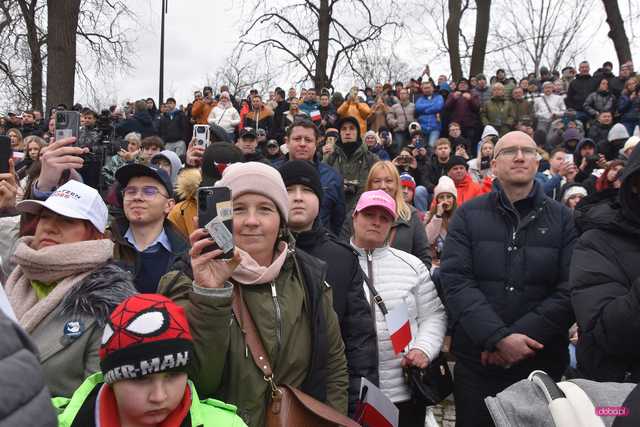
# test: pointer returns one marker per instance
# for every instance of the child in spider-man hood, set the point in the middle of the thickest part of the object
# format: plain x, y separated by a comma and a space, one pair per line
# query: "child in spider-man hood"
144, 356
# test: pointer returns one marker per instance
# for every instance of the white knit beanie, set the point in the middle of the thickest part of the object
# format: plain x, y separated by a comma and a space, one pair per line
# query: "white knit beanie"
573, 191
257, 178
445, 185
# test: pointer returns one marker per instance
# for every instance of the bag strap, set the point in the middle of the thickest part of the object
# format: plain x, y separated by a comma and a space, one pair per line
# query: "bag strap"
547, 104
251, 338
374, 293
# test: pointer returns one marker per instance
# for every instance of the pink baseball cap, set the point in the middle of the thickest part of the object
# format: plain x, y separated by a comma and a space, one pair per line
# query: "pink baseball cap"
377, 198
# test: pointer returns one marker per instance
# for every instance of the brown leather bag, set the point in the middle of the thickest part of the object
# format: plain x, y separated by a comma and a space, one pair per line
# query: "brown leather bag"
288, 406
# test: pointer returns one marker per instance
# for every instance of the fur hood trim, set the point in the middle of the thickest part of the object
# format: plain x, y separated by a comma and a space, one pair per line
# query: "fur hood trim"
188, 183
99, 293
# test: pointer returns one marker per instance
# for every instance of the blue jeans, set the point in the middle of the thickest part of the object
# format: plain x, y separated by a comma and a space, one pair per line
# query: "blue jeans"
432, 137
422, 198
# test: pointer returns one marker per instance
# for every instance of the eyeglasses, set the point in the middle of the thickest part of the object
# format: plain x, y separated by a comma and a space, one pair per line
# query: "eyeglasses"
148, 192
512, 152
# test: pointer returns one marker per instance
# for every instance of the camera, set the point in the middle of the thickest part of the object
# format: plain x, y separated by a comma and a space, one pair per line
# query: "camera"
593, 159
351, 187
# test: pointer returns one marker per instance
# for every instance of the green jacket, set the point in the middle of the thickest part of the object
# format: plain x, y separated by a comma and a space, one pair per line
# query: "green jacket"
354, 171
223, 366
203, 413
499, 113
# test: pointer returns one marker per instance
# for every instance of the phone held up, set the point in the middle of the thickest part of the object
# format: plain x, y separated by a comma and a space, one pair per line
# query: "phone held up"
5, 153
67, 124
201, 135
215, 214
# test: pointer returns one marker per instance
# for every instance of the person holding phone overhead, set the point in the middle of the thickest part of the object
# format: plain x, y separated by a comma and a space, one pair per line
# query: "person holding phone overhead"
284, 291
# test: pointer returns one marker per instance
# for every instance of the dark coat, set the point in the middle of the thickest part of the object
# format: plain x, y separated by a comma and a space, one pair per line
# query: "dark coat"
350, 304
129, 258
605, 285
503, 275
141, 122
597, 102
173, 127
465, 112
25, 398
579, 89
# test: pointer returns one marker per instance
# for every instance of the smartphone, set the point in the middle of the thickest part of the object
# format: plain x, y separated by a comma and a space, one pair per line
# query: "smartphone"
201, 134
568, 158
215, 214
67, 124
5, 153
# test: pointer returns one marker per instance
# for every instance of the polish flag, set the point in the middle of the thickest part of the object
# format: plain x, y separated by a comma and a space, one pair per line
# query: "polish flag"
316, 116
399, 327
376, 409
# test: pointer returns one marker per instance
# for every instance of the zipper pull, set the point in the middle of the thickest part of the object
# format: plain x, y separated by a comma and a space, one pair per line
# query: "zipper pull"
369, 256
246, 351
273, 290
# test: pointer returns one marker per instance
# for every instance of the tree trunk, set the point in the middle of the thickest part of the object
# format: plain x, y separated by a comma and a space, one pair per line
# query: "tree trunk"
617, 32
483, 15
28, 13
320, 79
453, 40
62, 22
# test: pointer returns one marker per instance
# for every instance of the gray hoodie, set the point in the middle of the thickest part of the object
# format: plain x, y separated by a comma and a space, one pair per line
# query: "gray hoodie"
176, 164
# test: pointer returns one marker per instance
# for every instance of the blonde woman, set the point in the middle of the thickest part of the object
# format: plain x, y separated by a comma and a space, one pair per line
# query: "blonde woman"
15, 136
407, 233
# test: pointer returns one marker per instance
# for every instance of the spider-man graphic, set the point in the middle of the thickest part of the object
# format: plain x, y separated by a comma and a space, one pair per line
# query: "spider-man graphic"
142, 328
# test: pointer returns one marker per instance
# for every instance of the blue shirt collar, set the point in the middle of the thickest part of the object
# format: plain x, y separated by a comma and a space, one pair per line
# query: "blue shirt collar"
161, 239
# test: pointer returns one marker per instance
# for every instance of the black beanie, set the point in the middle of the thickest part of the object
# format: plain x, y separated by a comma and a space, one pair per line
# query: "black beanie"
218, 153
304, 173
456, 161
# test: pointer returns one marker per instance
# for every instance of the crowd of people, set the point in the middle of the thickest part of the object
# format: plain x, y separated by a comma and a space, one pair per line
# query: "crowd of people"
503, 213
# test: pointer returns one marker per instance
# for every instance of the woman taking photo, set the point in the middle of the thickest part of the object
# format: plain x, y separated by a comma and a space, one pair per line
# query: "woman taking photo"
64, 286
398, 277
284, 291
480, 167
438, 217
407, 233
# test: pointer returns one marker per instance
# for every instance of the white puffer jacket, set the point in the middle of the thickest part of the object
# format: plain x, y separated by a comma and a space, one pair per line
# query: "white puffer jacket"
227, 118
399, 276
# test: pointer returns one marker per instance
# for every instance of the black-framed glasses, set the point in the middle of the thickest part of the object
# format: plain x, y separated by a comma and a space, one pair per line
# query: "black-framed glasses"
512, 152
148, 192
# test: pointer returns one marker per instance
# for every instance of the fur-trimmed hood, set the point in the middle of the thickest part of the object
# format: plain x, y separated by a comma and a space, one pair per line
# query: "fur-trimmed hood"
188, 183
99, 293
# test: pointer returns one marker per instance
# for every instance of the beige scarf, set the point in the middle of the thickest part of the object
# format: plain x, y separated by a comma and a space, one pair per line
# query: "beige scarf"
67, 264
249, 272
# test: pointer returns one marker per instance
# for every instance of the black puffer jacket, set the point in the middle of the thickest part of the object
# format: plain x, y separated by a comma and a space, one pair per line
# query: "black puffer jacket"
502, 275
350, 304
599, 101
25, 399
605, 280
579, 89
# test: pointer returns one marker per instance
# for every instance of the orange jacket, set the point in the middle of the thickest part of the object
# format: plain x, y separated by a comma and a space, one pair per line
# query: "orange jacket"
358, 110
200, 112
468, 189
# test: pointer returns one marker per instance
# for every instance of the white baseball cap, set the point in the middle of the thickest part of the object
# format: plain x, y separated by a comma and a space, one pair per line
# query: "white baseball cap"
73, 200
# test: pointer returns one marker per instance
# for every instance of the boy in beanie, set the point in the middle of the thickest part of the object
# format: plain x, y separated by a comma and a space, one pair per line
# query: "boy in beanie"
144, 356
467, 189
344, 275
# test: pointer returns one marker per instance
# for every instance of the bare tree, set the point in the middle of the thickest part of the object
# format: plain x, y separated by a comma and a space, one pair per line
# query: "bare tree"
483, 14
617, 33
340, 28
537, 32
103, 44
242, 73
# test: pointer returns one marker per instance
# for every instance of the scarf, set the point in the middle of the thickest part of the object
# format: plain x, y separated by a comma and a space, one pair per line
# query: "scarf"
67, 264
249, 272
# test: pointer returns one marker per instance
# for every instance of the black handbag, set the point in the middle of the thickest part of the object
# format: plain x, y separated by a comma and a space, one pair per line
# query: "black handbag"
431, 385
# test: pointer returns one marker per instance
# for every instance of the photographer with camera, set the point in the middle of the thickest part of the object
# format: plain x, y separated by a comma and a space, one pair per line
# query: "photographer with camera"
587, 159
354, 106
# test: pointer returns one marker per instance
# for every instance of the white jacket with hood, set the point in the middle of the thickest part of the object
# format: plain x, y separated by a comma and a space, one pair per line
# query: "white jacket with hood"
227, 118
399, 276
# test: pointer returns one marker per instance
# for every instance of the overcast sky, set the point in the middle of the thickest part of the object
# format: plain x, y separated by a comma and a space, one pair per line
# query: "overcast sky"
200, 34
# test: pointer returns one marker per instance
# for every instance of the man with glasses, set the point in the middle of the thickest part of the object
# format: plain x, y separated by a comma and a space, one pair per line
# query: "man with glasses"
504, 273
145, 239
